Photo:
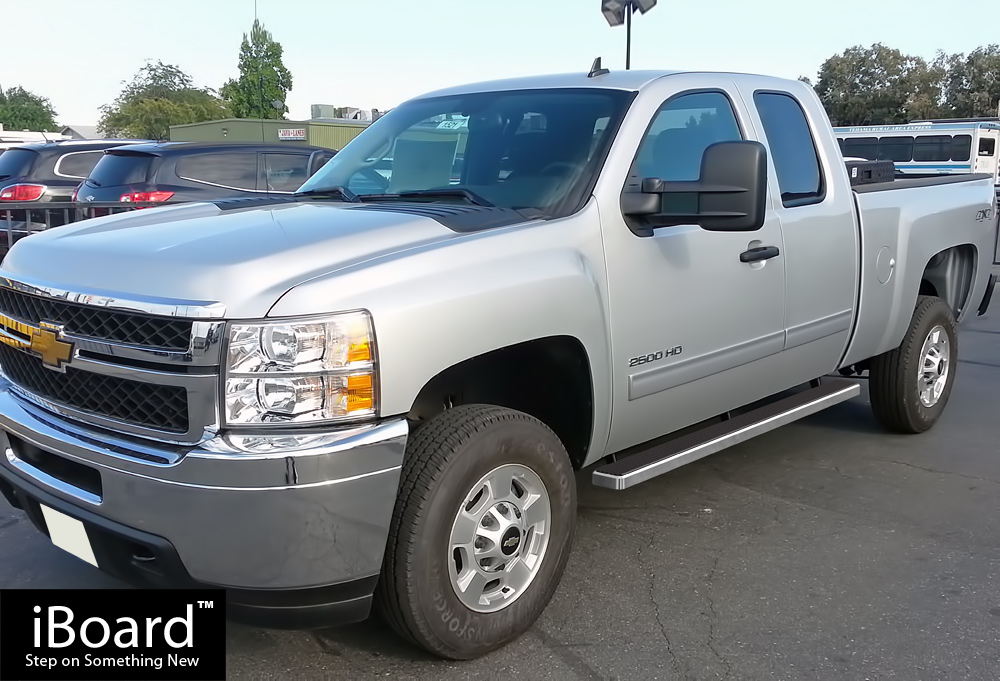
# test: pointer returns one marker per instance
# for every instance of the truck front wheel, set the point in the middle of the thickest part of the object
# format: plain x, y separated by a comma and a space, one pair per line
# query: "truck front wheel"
481, 531
910, 386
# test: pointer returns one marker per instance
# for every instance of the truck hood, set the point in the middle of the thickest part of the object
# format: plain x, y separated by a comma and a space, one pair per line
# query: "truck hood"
245, 259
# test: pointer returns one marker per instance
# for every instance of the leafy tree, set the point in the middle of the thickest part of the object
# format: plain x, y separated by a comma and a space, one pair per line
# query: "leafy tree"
972, 84
263, 77
880, 85
160, 95
23, 110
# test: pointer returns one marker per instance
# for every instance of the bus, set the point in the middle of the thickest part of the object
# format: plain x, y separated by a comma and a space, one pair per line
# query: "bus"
926, 148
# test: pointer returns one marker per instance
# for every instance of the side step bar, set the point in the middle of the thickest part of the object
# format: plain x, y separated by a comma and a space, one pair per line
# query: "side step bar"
666, 456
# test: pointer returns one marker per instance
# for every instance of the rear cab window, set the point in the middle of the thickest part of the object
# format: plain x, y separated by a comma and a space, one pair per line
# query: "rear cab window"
116, 169
16, 163
229, 169
793, 149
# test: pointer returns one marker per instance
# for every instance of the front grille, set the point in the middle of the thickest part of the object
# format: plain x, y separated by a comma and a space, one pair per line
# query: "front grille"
163, 407
161, 333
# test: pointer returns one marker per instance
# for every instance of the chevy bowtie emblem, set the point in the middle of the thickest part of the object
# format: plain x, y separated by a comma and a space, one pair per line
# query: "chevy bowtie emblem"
43, 340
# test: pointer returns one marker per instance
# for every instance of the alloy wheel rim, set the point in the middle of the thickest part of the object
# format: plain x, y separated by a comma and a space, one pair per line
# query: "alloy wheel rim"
935, 366
499, 537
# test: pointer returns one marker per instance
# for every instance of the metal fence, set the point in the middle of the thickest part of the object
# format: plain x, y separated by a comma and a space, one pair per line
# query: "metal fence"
18, 219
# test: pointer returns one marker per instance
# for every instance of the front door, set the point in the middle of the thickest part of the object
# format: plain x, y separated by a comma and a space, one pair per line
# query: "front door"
695, 331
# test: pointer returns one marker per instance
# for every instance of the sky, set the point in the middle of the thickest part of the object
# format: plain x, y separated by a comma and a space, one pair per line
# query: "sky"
378, 53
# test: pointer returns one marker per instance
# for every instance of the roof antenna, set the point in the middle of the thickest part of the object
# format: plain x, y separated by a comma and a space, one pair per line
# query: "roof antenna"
596, 69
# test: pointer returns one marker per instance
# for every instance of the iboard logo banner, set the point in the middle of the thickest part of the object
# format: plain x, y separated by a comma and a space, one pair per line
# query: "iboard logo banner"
84, 634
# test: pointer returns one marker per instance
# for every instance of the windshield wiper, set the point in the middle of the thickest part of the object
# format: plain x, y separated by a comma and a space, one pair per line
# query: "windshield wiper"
452, 193
343, 193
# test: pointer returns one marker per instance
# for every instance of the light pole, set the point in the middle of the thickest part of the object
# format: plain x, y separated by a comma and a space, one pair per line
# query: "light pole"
618, 12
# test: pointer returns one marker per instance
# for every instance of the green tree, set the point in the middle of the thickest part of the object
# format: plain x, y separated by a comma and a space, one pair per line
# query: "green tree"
160, 95
972, 83
879, 84
263, 79
23, 110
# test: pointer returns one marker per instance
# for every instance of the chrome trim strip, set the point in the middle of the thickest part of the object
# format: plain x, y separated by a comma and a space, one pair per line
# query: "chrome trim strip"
203, 348
40, 475
160, 307
620, 482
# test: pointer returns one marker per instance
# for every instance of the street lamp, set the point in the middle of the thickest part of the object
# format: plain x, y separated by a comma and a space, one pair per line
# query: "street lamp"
619, 12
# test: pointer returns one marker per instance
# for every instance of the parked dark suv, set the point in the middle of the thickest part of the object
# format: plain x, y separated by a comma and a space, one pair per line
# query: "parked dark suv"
50, 171
44, 173
198, 171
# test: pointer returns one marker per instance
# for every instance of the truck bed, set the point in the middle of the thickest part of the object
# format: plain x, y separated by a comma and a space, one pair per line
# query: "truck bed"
913, 183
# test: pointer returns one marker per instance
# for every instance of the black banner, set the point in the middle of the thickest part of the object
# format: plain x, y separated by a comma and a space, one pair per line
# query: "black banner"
110, 634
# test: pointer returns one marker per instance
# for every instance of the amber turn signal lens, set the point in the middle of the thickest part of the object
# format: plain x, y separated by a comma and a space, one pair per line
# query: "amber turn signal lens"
360, 396
359, 353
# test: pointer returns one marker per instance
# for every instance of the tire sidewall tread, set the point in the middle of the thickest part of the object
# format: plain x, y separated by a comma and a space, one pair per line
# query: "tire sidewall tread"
445, 457
893, 385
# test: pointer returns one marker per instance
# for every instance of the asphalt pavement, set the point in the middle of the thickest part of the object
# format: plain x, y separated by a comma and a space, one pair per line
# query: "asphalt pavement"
825, 550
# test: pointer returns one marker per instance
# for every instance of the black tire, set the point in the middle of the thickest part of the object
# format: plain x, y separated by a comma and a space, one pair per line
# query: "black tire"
893, 382
444, 459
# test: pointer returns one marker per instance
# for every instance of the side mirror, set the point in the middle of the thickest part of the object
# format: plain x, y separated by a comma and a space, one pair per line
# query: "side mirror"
729, 196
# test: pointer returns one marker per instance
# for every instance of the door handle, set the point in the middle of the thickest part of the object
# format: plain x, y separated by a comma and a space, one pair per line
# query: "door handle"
759, 253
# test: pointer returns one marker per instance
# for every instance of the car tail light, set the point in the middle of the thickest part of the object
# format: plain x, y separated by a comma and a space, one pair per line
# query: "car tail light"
143, 197
22, 192
76, 192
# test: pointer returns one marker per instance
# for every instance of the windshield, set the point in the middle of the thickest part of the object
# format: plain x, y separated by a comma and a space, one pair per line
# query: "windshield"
524, 149
16, 163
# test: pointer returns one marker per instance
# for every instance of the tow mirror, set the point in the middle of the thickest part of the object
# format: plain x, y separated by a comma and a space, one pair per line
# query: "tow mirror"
729, 196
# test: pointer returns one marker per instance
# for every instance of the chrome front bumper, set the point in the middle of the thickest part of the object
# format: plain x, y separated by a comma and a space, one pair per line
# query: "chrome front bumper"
308, 514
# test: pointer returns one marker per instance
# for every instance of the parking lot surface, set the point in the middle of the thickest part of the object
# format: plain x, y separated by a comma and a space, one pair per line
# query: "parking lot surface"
825, 550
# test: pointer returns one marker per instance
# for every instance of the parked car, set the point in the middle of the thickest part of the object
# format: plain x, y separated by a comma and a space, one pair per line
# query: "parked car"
44, 173
50, 171
173, 172
378, 391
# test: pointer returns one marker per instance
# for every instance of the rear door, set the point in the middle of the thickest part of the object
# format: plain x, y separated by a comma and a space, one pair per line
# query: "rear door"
217, 174
815, 206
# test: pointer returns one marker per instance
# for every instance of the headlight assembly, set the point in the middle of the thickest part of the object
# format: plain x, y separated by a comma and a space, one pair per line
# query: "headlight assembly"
310, 371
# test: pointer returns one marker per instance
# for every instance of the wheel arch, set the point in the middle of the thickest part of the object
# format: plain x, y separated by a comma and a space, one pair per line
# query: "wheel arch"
550, 378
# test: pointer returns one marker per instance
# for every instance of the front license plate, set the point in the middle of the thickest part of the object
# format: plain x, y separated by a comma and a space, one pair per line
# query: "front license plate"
69, 534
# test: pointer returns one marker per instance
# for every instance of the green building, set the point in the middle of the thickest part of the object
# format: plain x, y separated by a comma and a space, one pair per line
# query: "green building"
330, 134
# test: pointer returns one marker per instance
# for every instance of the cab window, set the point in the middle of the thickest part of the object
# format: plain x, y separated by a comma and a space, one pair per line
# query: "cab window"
681, 131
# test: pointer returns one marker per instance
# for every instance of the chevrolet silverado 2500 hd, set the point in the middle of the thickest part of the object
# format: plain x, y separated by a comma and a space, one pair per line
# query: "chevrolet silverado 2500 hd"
377, 391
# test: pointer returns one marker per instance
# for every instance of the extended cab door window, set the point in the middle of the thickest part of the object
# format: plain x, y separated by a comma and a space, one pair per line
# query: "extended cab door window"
681, 131
793, 150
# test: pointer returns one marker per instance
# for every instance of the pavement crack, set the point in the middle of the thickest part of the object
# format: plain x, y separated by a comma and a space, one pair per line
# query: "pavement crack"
674, 661
712, 641
938, 472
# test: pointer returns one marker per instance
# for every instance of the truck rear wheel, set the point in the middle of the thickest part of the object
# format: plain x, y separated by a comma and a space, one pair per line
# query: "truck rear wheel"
910, 386
481, 531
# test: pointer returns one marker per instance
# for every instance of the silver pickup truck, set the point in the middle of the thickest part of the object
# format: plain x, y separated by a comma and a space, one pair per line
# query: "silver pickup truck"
378, 391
